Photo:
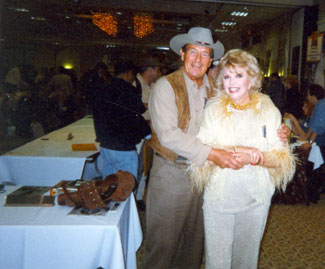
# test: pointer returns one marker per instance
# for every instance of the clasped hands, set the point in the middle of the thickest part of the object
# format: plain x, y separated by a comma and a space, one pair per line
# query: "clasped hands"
236, 157
247, 155
236, 160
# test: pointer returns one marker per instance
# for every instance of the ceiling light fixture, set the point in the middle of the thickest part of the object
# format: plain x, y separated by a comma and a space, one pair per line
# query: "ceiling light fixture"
143, 25
18, 9
37, 18
106, 22
163, 48
239, 14
228, 23
221, 30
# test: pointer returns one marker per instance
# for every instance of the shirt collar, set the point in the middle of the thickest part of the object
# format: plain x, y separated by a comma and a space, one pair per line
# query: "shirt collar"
192, 84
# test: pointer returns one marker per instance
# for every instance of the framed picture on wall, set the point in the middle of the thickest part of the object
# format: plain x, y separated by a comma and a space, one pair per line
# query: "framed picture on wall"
314, 48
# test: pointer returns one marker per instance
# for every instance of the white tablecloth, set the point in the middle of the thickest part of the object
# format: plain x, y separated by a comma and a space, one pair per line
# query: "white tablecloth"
49, 159
41, 237
315, 156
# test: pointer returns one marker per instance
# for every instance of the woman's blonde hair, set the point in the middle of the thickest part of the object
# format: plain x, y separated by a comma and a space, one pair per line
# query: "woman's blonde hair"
240, 58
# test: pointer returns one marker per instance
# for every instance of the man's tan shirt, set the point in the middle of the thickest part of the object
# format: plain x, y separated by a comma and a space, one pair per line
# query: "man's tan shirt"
164, 119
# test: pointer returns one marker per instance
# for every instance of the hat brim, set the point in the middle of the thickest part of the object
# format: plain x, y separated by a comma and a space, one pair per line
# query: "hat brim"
177, 42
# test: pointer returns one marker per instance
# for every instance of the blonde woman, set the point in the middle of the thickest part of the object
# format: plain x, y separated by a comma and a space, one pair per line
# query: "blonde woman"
244, 122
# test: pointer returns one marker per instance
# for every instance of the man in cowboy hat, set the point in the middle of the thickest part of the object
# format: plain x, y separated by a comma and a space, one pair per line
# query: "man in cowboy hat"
174, 216
174, 221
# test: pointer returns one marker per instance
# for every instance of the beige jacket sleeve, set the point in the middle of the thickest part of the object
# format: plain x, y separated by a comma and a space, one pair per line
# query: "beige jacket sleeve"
163, 112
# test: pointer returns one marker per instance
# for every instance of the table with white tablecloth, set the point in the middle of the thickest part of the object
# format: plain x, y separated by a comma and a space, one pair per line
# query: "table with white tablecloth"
47, 237
50, 158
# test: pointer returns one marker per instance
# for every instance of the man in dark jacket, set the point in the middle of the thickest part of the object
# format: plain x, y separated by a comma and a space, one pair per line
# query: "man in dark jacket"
119, 125
276, 91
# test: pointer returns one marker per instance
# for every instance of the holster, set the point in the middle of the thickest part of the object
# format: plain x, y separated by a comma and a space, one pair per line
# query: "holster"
97, 194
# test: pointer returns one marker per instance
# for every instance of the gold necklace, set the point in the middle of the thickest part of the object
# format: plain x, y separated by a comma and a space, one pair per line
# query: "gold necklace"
240, 107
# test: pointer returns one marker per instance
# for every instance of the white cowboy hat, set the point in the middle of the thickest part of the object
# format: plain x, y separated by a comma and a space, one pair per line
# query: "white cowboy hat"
197, 36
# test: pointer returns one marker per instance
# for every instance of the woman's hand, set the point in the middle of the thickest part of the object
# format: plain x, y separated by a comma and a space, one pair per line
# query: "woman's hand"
288, 116
248, 155
242, 157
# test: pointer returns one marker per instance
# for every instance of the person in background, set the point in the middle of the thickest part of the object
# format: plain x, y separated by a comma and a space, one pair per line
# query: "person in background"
16, 78
265, 84
149, 72
276, 91
174, 220
22, 113
117, 120
243, 122
61, 82
293, 99
164, 70
300, 127
315, 133
93, 83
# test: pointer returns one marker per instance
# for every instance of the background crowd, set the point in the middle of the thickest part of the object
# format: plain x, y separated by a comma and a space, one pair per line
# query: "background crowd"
33, 103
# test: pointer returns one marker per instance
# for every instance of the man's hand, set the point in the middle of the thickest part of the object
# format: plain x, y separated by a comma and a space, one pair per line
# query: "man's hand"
224, 159
284, 133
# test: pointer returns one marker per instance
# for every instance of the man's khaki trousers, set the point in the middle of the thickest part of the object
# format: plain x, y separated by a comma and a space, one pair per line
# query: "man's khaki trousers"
174, 218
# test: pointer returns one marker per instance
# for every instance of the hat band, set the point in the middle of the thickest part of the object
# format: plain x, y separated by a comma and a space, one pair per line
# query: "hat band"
203, 43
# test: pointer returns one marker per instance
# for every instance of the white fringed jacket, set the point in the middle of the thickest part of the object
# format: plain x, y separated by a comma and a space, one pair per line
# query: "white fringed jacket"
257, 126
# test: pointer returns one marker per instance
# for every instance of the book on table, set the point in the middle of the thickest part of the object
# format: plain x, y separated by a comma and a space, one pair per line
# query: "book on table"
30, 196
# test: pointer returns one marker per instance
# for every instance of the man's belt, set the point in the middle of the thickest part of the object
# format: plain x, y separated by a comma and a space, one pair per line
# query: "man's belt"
179, 158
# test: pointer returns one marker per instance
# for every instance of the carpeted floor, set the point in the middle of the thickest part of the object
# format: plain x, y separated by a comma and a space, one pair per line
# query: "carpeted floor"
294, 237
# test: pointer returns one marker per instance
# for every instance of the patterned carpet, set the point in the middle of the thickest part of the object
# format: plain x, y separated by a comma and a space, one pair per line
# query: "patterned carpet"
294, 237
